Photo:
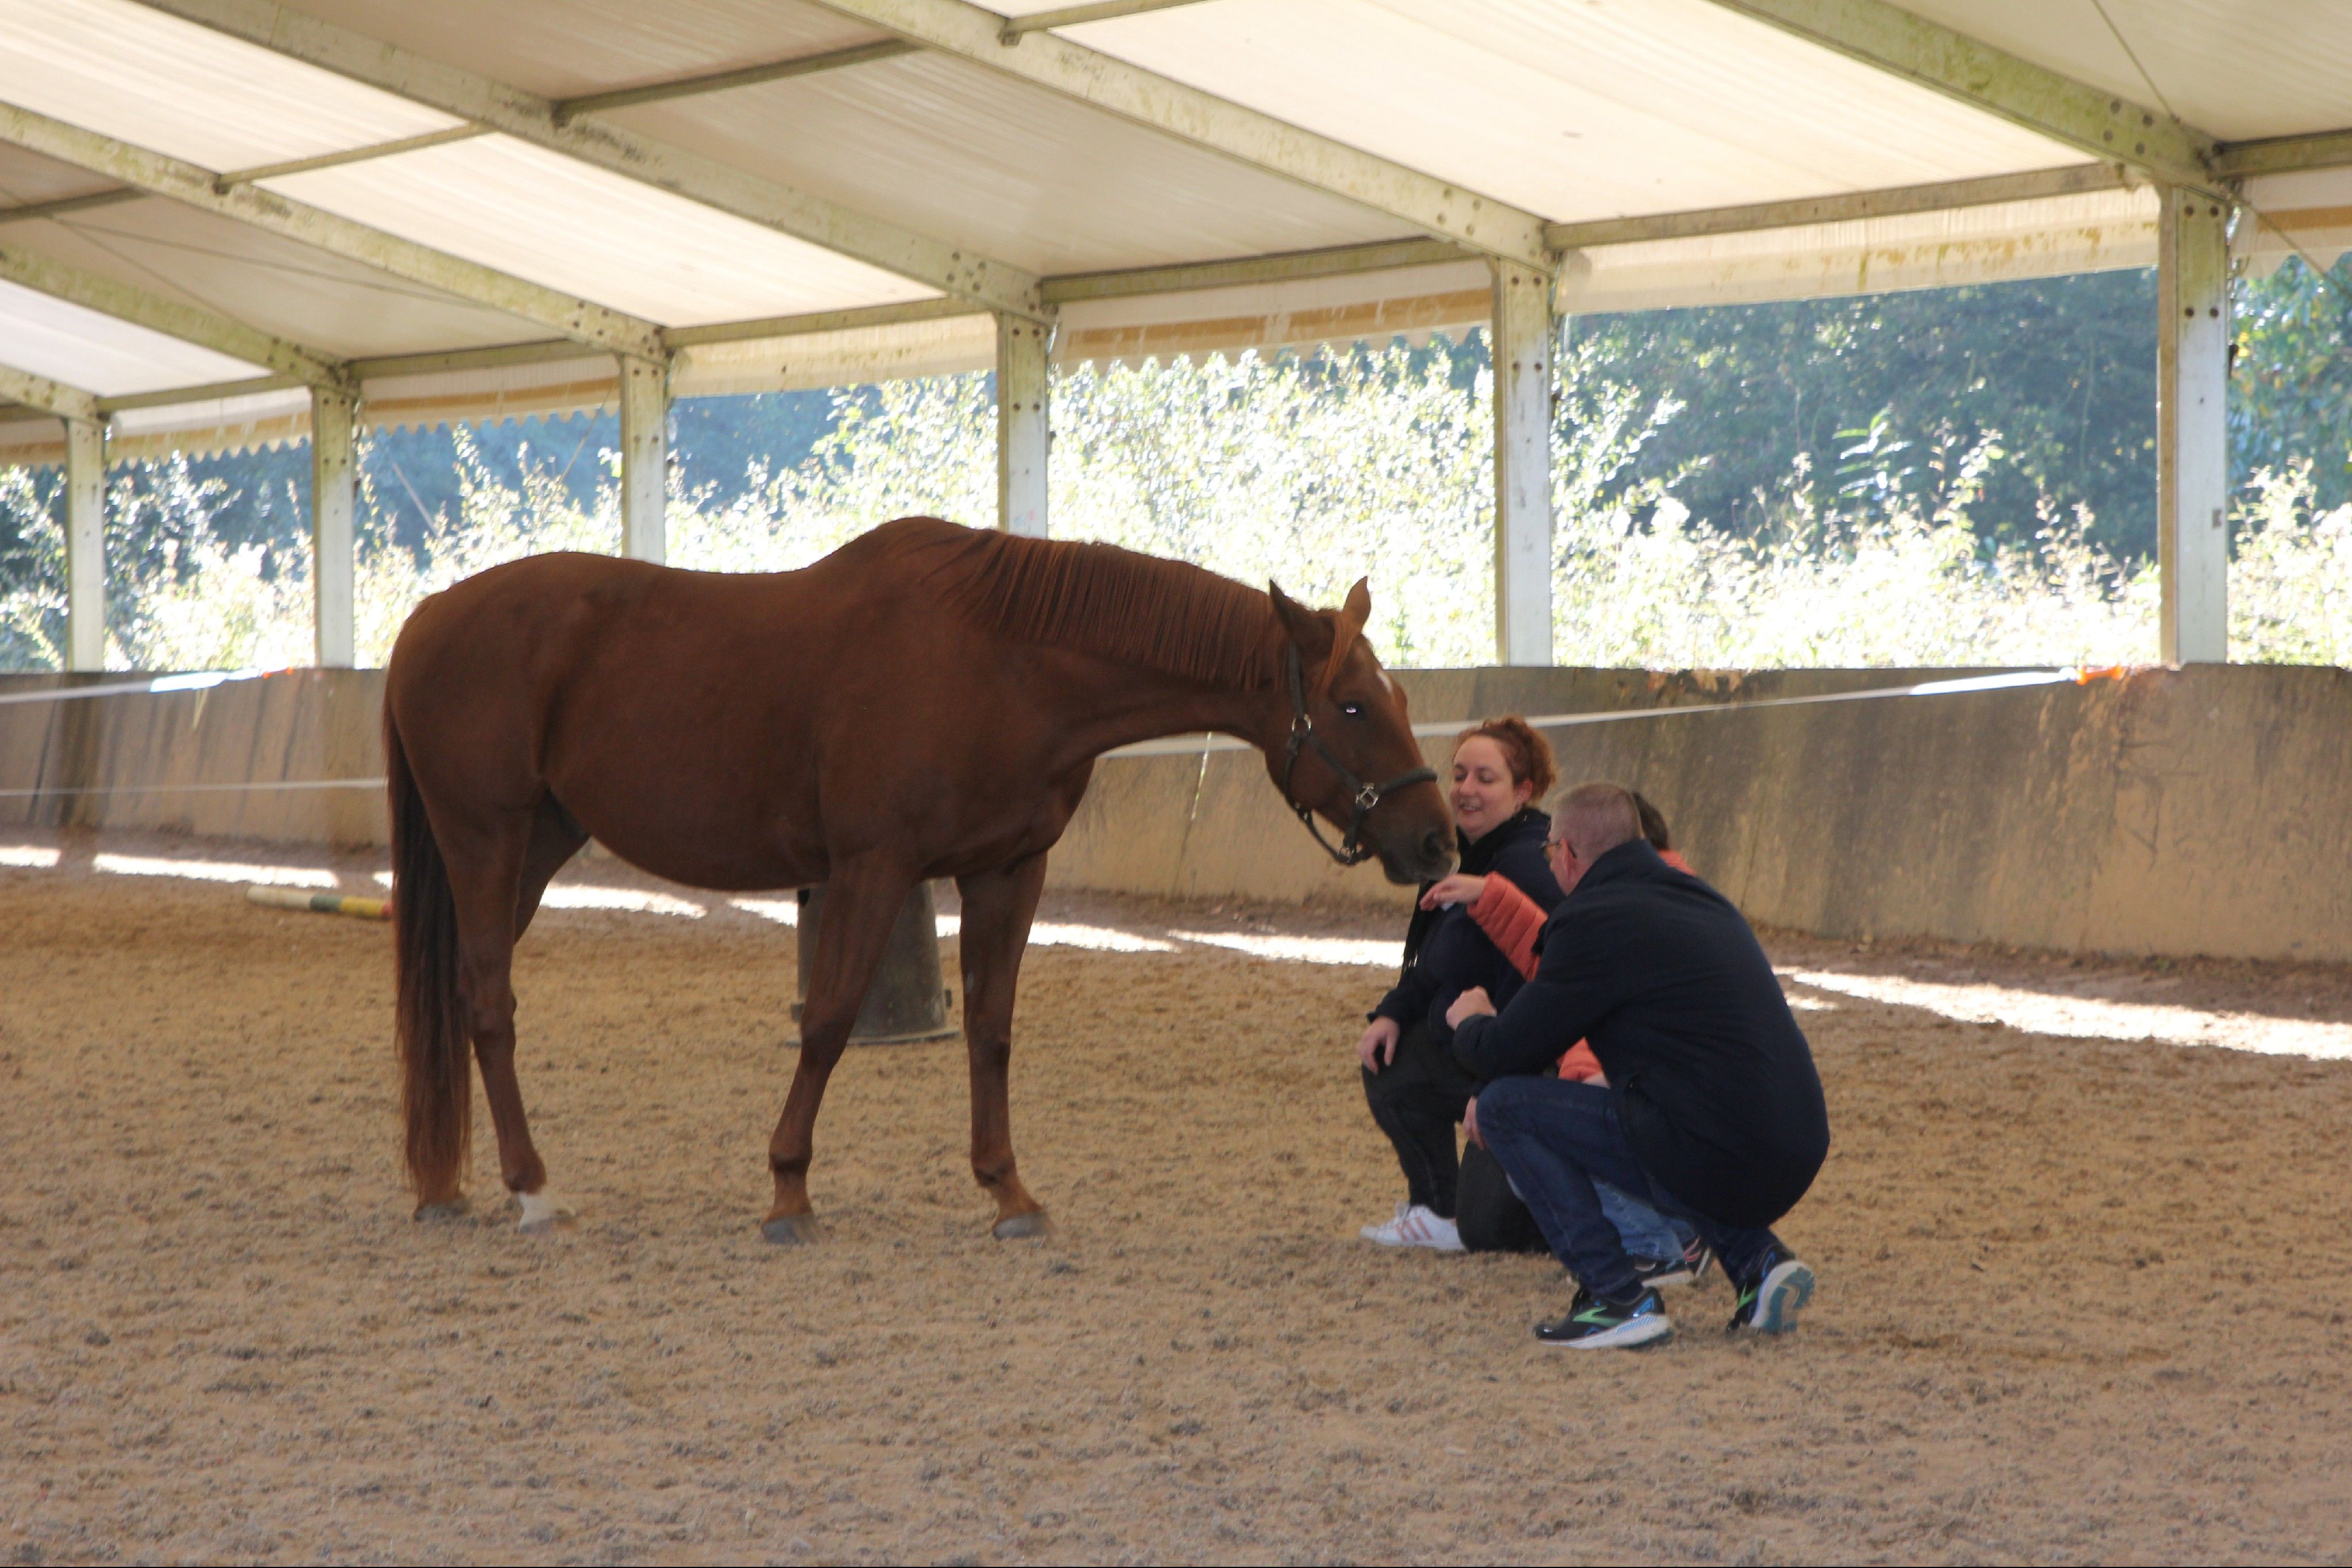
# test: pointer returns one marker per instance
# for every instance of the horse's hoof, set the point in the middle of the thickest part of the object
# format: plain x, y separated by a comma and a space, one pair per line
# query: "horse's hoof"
445, 1208
791, 1229
1021, 1226
543, 1215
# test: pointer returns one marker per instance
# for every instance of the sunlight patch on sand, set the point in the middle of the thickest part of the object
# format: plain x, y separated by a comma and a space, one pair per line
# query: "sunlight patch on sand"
32, 857
2089, 1018
631, 901
213, 871
1336, 950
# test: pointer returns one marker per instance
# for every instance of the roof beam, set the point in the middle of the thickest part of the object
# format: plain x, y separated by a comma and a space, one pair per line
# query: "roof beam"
189, 324
157, 175
64, 205
211, 392
2080, 180
934, 263
261, 172
1427, 203
2279, 154
1078, 16
48, 396
819, 321
1337, 261
2041, 100
567, 109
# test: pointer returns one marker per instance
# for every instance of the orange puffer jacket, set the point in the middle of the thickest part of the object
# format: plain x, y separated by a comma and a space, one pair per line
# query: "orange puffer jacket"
1511, 920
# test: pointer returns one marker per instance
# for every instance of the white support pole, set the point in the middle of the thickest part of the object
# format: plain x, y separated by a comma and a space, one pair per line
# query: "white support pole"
1023, 424
645, 459
85, 543
2192, 441
334, 489
1522, 339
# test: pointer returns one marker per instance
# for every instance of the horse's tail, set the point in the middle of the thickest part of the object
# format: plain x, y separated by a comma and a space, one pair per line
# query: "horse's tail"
437, 1083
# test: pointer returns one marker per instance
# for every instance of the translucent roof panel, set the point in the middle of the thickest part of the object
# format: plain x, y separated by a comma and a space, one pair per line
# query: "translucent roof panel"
1601, 109
321, 302
949, 149
561, 48
152, 80
2233, 69
540, 215
99, 353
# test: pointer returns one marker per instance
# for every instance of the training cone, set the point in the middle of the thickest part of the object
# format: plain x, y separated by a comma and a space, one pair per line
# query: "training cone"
907, 1000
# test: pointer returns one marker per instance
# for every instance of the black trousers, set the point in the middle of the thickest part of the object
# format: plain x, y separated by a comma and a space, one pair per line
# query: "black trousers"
1417, 1100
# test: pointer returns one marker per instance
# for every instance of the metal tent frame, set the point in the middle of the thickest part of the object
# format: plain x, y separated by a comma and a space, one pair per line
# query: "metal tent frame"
232, 217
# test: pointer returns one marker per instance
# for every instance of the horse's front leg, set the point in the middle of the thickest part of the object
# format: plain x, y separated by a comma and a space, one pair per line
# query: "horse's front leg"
861, 904
997, 909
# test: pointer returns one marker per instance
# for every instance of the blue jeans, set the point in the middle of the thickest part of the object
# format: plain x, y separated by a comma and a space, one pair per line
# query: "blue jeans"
1643, 1230
1562, 1147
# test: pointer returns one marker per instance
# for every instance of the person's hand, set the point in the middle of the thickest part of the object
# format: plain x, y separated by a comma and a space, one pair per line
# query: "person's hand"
1457, 888
1376, 1047
1470, 1123
1472, 1003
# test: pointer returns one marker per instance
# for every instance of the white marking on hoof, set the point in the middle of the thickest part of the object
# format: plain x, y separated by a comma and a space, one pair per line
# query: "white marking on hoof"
543, 1211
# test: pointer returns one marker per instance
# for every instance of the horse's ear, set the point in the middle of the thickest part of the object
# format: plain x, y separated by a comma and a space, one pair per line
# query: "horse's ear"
1303, 626
1347, 626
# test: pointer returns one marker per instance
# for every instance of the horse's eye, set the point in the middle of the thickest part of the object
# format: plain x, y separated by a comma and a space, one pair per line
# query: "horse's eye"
1352, 710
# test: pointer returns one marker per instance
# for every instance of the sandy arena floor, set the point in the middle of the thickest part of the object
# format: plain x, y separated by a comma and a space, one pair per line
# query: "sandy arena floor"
2082, 1298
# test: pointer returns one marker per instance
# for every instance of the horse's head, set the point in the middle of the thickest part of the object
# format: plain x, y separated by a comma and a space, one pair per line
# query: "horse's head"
1349, 755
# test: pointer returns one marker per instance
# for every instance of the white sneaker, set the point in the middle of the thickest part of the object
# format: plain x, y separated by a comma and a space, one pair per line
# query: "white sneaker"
1415, 1226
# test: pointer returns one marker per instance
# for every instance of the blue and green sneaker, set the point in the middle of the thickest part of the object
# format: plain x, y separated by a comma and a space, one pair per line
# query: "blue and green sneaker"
1595, 1322
1769, 1301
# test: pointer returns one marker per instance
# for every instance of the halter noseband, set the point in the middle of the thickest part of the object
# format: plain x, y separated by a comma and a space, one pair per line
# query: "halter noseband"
1366, 795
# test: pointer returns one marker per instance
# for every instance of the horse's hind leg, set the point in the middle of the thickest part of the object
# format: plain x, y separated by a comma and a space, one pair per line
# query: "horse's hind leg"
861, 904
555, 837
997, 909
495, 880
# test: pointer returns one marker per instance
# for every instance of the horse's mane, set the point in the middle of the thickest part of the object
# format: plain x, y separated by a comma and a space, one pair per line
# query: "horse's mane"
1098, 599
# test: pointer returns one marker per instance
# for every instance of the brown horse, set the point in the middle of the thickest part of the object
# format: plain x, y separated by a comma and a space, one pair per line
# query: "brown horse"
927, 702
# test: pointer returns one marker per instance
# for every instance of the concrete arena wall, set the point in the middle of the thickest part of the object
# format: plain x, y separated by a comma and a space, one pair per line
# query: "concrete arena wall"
2183, 812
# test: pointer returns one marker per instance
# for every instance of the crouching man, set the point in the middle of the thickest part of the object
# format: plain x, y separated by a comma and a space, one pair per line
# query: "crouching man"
1713, 1110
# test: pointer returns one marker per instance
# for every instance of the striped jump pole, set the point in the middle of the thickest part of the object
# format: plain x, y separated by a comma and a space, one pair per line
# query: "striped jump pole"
324, 903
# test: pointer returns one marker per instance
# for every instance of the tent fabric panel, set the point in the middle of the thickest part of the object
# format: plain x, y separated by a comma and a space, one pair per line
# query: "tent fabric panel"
2102, 232
2306, 215
2233, 71
37, 443
80, 347
944, 147
209, 428
1578, 111
952, 346
158, 82
1410, 301
538, 215
491, 395
561, 48
282, 287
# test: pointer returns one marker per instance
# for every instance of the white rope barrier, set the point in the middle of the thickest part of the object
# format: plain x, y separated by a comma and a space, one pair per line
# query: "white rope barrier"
1174, 746
198, 680
1194, 746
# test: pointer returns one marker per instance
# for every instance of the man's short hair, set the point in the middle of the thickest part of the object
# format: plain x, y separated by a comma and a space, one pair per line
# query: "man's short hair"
1594, 818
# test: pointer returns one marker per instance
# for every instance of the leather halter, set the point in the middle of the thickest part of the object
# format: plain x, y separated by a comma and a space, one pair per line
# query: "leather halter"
1366, 795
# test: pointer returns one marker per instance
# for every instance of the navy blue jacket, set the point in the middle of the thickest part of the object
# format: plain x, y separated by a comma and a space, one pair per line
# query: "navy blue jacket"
1451, 954
1714, 1082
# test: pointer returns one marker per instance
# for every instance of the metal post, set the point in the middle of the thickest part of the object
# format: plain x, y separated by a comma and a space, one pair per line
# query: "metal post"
2192, 439
1023, 424
85, 543
334, 479
645, 459
1522, 339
